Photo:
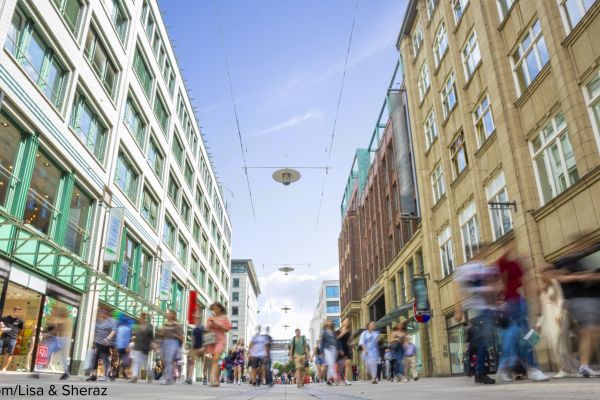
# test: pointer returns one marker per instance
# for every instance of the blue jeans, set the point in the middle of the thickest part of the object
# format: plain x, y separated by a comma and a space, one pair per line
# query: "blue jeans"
169, 349
513, 347
484, 332
399, 366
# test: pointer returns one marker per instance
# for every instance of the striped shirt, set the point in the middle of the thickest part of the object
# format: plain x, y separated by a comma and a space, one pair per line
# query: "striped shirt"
103, 329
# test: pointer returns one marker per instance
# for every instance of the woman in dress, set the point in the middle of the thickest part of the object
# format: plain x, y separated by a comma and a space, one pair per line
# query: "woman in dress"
345, 358
239, 355
369, 342
330, 348
218, 324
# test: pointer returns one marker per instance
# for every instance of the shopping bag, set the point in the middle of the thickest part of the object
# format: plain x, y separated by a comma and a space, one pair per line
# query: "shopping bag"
209, 338
89, 360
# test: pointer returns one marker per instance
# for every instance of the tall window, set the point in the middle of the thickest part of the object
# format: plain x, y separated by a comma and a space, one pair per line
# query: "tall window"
169, 234
417, 39
77, 234
70, 11
431, 5
10, 139
440, 44
553, 159
468, 230
118, 18
458, 9
424, 82
149, 209
42, 197
430, 129
504, 7
173, 189
182, 249
36, 57
196, 231
135, 122
333, 307
530, 57
144, 274
437, 183
102, 65
500, 215
235, 296
127, 267
446, 255
162, 115
592, 95
235, 283
177, 148
458, 154
448, 95
155, 157
142, 71
484, 121
126, 177
185, 210
471, 55
332, 291
88, 127
574, 10
189, 174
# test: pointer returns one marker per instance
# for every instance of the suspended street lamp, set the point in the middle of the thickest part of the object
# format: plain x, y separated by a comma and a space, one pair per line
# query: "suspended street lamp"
286, 176
285, 309
286, 270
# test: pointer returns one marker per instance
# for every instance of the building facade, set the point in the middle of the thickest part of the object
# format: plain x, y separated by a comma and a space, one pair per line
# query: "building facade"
244, 293
504, 107
280, 351
107, 194
328, 308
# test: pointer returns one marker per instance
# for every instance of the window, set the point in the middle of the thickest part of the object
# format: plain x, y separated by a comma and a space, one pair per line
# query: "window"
202, 276
468, 230
70, 11
333, 307
169, 234
424, 82
196, 231
431, 5
182, 249
417, 39
98, 56
236, 283
126, 177
144, 275
235, 310
173, 189
458, 8
160, 110
189, 174
445, 244
504, 7
10, 139
126, 271
430, 129
471, 55
135, 122
484, 120
500, 215
142, 72
155, 157
204, 245
42, 197
118, 17
574, 10
88, 127
38, 60
592, 95
332, 291
149, 209
530, 57
448, 95
177, 149
553, 159
458, 155
185, 210
437, 183
440, 44
235, 296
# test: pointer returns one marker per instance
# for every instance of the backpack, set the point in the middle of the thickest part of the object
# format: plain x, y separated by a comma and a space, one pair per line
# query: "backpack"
294, 343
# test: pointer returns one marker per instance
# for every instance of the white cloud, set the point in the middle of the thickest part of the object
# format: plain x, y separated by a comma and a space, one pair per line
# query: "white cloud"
293, 121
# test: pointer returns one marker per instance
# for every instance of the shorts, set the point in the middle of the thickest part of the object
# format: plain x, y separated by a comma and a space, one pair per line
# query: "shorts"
256, 362
585, 311
7, 345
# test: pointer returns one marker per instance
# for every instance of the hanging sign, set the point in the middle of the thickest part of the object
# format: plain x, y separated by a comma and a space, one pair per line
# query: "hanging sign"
421, 307
165, 281
113, 234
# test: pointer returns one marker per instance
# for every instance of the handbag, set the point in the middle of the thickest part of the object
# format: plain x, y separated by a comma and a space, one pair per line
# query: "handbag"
209, 338
89, 360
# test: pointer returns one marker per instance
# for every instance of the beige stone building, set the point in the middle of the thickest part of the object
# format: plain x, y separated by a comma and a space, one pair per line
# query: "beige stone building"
504, 100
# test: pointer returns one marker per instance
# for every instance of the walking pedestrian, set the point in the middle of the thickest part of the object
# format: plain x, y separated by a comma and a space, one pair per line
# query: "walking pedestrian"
387, 357
267, 361
476, 290
12, 325
104, 334
396, 345
197, 351
319, 360
369, 342
171, 338
410, 358
238, 361
142, 344
218, 324
299, 351
330, 348
56, 338
343, 338
122, 340
515, 350
257, 353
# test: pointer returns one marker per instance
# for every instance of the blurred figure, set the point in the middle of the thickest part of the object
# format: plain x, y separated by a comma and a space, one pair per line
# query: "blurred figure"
267, 362
330, 348
171, 338
477, 285
410, 358
369, 342
11, 325
299, 352
396, 345
218, 324
144, 336
387, 357
197, 351
56, 338
319, 360
579, 276
257, 352
515, 350
104, 334
122, 340
343, 337
238, 361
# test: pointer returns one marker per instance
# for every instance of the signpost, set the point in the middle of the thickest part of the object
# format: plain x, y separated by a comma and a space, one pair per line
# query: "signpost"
165, 281
113, 235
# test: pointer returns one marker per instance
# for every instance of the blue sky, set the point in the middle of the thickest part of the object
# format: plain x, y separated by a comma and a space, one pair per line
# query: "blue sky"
286, 60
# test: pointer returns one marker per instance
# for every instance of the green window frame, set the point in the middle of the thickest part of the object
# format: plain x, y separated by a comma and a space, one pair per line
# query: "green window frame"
155, 157
204, 245
149, 209
36, 57
135, 122
99, 58
143, 288
189, 174
199, 196
169, 234
196, 231
77, 230
182, 250
173, 188
86, 123
194, 263
161, 113
177, 150
126, 177
177, 298
70, 10
185, 210
202, 276
119, 19
142, 71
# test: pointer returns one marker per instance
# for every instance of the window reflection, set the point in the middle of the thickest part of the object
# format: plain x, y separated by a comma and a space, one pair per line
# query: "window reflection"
9, 146
41, 198
79, 211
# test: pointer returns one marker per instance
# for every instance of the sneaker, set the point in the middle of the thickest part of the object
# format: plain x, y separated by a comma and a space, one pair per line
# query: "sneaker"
504, 375
347, 383
405, 380
561, 375
586, 371
484, 380
35, 375
101, 379
188, 381
133, 380
536, 375
64, 377
92, 378
374, 382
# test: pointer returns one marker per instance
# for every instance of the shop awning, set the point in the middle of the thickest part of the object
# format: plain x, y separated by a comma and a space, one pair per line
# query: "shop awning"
393, 315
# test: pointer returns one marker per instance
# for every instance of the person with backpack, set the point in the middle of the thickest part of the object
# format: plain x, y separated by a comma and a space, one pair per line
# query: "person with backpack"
299, 351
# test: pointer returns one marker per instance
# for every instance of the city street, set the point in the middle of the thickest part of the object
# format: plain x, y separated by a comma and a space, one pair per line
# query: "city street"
426, 389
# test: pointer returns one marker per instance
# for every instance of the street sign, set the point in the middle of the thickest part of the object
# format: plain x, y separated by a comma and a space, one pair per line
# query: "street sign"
165, 280
113, 234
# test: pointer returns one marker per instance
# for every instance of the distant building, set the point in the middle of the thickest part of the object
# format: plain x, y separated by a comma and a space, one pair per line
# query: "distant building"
328, 307
280, 351
243, 293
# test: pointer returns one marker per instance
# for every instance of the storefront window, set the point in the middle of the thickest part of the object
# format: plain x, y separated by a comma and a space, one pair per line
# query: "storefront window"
9, 146
457, 345
79, 212
42, 195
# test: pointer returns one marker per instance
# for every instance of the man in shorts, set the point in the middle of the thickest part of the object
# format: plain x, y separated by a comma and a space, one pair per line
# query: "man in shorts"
197, 350
298, 353
258, 352
12, 325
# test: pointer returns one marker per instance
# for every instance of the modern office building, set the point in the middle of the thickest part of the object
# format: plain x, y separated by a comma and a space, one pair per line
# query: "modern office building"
328, 307
244, 293
280, 350
107, 195
504, 104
